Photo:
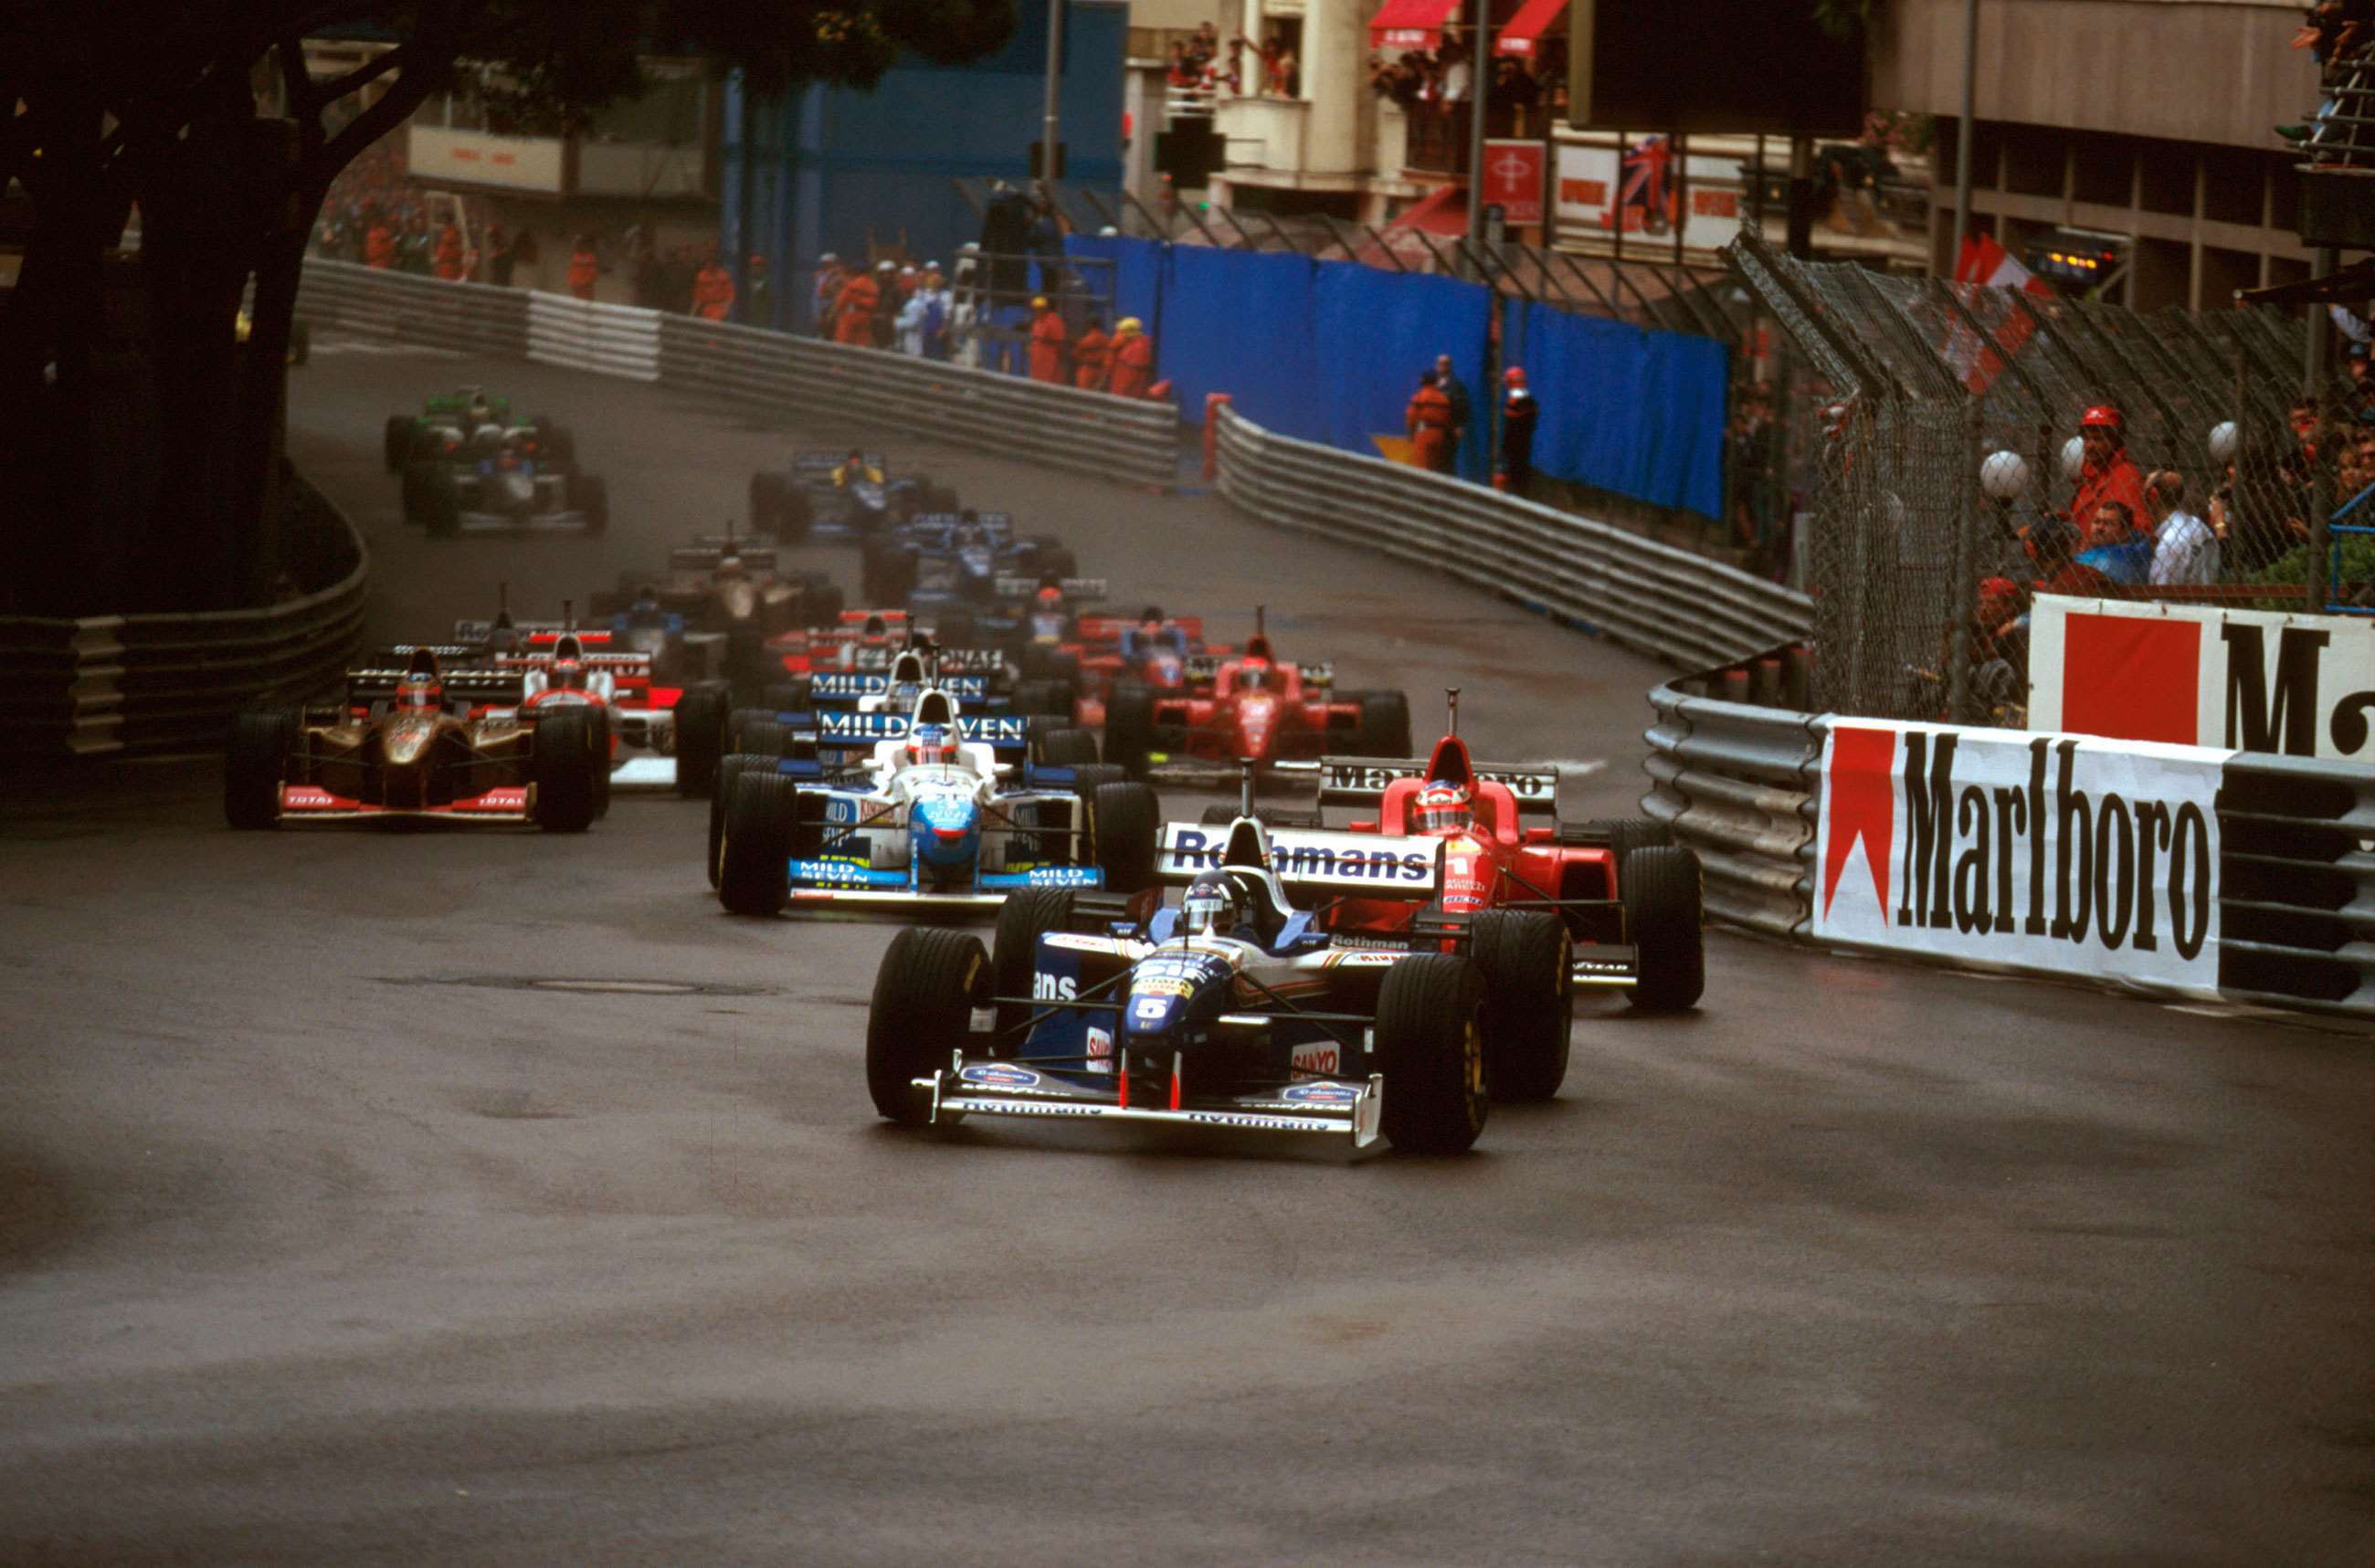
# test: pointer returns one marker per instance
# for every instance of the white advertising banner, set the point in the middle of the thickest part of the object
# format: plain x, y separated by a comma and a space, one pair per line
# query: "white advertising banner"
1595, 192
2251, 681
2057, 853
451, 156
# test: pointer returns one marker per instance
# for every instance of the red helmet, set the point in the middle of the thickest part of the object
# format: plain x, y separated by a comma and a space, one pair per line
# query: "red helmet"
1050, 595
1514, 375
419, 692
2102, 416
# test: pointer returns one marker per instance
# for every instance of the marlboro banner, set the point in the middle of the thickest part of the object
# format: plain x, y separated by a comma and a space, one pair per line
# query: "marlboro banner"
2054, 854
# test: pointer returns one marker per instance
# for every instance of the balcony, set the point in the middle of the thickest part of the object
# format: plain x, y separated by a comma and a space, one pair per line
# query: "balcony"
1264, 134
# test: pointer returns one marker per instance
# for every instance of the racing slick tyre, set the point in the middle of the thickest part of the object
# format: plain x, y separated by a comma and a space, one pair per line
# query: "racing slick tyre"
432, 500
924, 996
588, 493
787, 696
700, 737
1040, 662
1385, 724
256, 765
956, 627
1051, 698
1027, 914
767, 496
1129, 726
730, 766
1623, 836
571, 766
395, 445
1661, 889
1128, 820
753, 878
755, 732
1064, 749
747, 664
1528, 962
1431, 1049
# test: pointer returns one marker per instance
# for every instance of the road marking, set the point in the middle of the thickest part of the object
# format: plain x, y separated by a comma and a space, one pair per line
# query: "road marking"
369, 347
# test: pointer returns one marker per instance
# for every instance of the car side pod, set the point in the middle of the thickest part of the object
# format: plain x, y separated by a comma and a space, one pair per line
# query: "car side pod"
995, 1088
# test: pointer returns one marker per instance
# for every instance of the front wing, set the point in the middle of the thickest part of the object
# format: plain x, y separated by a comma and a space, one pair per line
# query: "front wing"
1351, 1111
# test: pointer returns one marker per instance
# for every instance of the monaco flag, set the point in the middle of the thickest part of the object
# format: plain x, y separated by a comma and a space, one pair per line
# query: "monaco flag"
1988, 264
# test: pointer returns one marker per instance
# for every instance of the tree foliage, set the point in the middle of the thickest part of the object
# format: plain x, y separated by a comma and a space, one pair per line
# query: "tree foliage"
124, 458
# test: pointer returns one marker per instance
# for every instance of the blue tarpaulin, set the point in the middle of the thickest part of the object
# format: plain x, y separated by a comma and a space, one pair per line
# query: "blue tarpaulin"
1377, 332
1240, 322
1638, 413
1137, 277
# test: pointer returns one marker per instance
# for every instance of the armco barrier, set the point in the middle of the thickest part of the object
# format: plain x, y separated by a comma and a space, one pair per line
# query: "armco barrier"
1679, 607
1062, 427
110, 684
1739, 785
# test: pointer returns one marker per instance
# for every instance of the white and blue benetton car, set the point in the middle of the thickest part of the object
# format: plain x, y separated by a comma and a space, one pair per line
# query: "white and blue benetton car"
895, 809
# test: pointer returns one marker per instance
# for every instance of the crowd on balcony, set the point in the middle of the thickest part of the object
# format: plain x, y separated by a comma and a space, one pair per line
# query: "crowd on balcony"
1202, 65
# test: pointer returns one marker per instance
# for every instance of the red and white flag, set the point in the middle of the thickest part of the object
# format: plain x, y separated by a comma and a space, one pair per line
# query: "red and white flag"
1989, 265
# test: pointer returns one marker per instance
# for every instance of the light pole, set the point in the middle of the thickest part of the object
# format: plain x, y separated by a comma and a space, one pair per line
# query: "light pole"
1963, 136
1480, 88
1053, 103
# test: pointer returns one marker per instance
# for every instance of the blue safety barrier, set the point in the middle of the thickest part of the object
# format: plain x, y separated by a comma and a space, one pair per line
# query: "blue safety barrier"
1638, 413
1377, 332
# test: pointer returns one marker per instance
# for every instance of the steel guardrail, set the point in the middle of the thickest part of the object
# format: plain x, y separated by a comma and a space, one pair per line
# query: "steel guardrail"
1739, 783
103, 684
1134, 440
1679, 607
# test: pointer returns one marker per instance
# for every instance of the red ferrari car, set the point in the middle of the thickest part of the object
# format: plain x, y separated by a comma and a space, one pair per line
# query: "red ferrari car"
1628, 898
1105, 653
1254, 707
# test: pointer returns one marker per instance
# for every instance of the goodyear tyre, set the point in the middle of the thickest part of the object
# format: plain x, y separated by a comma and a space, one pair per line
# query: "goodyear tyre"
255, 764
700, 737
1663, 892
588, 494
1527, 963
1129, 728
730, 766
571, 765
395, 443
1384, 724
1047, 698
1431, 1049
924, 996
787, 696
1128, 820
751, 877
1027, 914
767, 492
1065, 748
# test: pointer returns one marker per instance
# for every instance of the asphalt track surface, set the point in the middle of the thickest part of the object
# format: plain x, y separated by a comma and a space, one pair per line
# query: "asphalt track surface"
329, 1233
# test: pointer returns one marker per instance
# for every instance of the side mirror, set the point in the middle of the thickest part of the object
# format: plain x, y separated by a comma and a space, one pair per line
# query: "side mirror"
1540, 835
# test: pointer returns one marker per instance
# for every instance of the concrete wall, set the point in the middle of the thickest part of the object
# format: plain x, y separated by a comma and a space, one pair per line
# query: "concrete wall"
2187, 70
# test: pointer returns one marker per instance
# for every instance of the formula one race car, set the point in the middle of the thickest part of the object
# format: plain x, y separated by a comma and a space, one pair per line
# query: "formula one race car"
1627, 899
849, 496
1082, 658
919, 817
947, 560
1252, 707
1236, 1008
452, 417
711, 615
421, 742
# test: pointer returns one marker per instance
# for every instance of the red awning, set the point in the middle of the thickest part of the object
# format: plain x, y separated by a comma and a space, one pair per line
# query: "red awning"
1442, 211
1534, 18
1409, 24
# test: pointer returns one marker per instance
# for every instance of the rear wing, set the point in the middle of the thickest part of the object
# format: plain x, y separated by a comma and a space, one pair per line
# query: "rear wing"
983, 662
848, 686
1072, 588
826, 461
853, 732
1109, 628
480, 688
1372, 864
705, 557
532, 633
1361, 781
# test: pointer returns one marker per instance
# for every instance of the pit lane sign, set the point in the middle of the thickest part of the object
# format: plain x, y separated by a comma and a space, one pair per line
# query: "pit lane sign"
2054, 854
1515, 173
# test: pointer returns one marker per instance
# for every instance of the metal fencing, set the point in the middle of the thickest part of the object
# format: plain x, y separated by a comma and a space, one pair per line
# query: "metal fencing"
1063, 427
126, 684
1671, 604
1950, 454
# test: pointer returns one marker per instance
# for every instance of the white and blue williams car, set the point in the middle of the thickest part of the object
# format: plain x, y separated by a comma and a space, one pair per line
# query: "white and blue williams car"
923, 807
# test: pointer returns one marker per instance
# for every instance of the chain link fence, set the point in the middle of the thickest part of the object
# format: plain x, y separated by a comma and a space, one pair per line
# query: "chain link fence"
1951, 481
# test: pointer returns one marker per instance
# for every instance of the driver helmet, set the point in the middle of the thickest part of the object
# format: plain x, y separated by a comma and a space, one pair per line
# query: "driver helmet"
1151, 616
969, 534
479, 408
1440, 807
418, 691
932, 742
729, 567
876, 630
568, 666
1050, 596
1253, 675
1214, 906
